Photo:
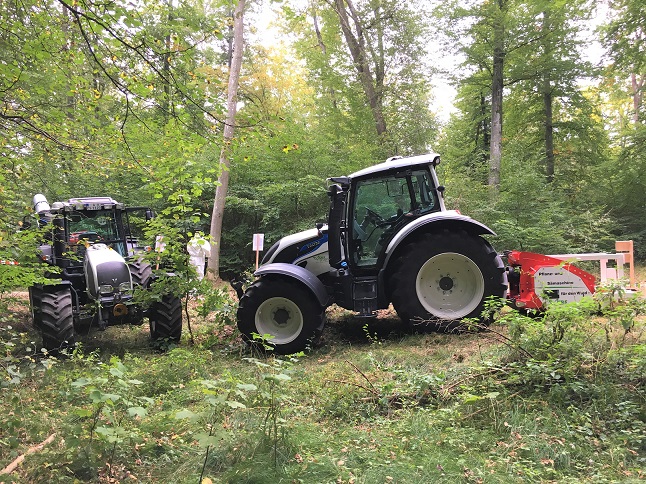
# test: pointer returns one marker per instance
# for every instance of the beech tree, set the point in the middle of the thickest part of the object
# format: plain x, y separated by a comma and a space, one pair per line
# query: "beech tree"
625, 39
229, 129
530, 47
369, 60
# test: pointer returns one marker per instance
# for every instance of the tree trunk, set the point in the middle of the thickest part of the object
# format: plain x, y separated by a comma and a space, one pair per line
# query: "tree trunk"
166, 66
225, 162
637, 95
548, 97
322, 46
495, 149
359, 54
549, 130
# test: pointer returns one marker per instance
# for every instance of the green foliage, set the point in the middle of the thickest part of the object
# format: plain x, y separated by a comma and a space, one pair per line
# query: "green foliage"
555, 397
111, 411
21, 267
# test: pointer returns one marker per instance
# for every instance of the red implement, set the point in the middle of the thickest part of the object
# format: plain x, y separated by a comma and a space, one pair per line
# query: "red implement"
536, 279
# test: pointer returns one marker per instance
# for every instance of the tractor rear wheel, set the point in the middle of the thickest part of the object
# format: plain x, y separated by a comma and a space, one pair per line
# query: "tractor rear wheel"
56, 321
141, 272
283, 309
444, 277
166, 319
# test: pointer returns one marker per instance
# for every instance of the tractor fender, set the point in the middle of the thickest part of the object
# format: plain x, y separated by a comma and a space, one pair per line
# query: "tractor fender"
426, 223
300, 274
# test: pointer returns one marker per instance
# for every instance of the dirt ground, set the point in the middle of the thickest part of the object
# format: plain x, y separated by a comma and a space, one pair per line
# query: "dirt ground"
342, 327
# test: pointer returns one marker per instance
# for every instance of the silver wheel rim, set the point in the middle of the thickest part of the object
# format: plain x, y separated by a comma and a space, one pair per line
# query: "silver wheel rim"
450, 285
281, 318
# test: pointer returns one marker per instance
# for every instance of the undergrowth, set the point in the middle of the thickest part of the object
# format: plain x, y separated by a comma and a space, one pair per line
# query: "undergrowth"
556, 397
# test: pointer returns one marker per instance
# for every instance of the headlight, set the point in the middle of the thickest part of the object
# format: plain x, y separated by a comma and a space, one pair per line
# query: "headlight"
124, 286
106, 289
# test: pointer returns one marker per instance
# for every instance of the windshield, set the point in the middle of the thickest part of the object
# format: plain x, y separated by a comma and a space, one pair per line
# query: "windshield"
382, 205
94, 226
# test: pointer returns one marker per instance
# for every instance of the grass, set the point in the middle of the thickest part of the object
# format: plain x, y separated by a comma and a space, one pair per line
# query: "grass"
371, 404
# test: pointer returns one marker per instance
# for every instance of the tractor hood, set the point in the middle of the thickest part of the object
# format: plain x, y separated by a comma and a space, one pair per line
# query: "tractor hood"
307, 249
106, 271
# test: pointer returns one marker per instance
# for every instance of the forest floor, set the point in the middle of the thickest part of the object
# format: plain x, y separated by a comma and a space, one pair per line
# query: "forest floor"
557, 399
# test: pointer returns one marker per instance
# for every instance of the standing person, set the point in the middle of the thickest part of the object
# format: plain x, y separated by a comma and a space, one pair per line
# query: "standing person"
198, 249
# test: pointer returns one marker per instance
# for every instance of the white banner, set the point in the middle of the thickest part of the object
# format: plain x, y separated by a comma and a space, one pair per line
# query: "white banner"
258, 241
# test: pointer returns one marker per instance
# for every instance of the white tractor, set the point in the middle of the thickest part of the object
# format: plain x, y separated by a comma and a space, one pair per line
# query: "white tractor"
91, 241
389, 239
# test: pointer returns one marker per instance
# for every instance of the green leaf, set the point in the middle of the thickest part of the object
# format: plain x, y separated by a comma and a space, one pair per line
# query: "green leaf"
247, 387
471, 398
206, 440
83, 412
234, 404
280, 377
137, 412
81, 382
186, 414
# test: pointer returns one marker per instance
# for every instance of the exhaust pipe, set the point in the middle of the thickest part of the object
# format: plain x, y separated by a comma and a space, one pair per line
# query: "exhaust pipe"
40, 204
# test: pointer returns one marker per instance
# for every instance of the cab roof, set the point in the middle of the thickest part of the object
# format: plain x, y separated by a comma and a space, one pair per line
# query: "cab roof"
87, 203
399, 162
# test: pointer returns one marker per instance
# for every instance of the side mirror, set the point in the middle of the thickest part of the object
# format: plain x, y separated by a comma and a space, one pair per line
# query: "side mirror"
26, 223
149, 214
440, 190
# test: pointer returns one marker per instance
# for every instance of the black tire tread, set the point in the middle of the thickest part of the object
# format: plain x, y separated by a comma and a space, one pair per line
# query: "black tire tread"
264, 288
166, 319
141, 272
402, 282
56, 319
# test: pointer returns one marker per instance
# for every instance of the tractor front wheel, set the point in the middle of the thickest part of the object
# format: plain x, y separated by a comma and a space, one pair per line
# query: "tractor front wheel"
166, 319
56, 318
285, 310
445, 277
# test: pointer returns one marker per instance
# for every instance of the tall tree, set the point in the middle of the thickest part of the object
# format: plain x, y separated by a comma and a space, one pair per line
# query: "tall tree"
369, 70
485, 32
514, 45
497, 84
555, 68
625, 38
229, 129
356, 39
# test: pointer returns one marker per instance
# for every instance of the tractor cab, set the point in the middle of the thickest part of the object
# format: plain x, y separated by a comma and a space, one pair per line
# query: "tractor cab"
381, 203
368, 209
79, 223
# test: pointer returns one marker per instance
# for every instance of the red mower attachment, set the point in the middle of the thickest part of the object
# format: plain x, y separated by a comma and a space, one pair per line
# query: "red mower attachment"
536, 279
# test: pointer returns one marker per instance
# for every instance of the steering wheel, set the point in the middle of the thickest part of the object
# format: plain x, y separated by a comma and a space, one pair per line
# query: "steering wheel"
374, 217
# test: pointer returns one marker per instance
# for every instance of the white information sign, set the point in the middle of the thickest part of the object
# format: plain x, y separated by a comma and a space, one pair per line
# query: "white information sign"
258, 241
556, 283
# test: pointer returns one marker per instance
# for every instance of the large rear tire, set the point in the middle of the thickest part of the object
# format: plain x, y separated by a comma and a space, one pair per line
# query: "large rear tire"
141, 273
166, 319
283, 309
56, 321
444, 277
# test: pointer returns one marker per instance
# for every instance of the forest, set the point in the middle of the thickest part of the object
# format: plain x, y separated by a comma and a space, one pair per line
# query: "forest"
226, 117
544, 143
